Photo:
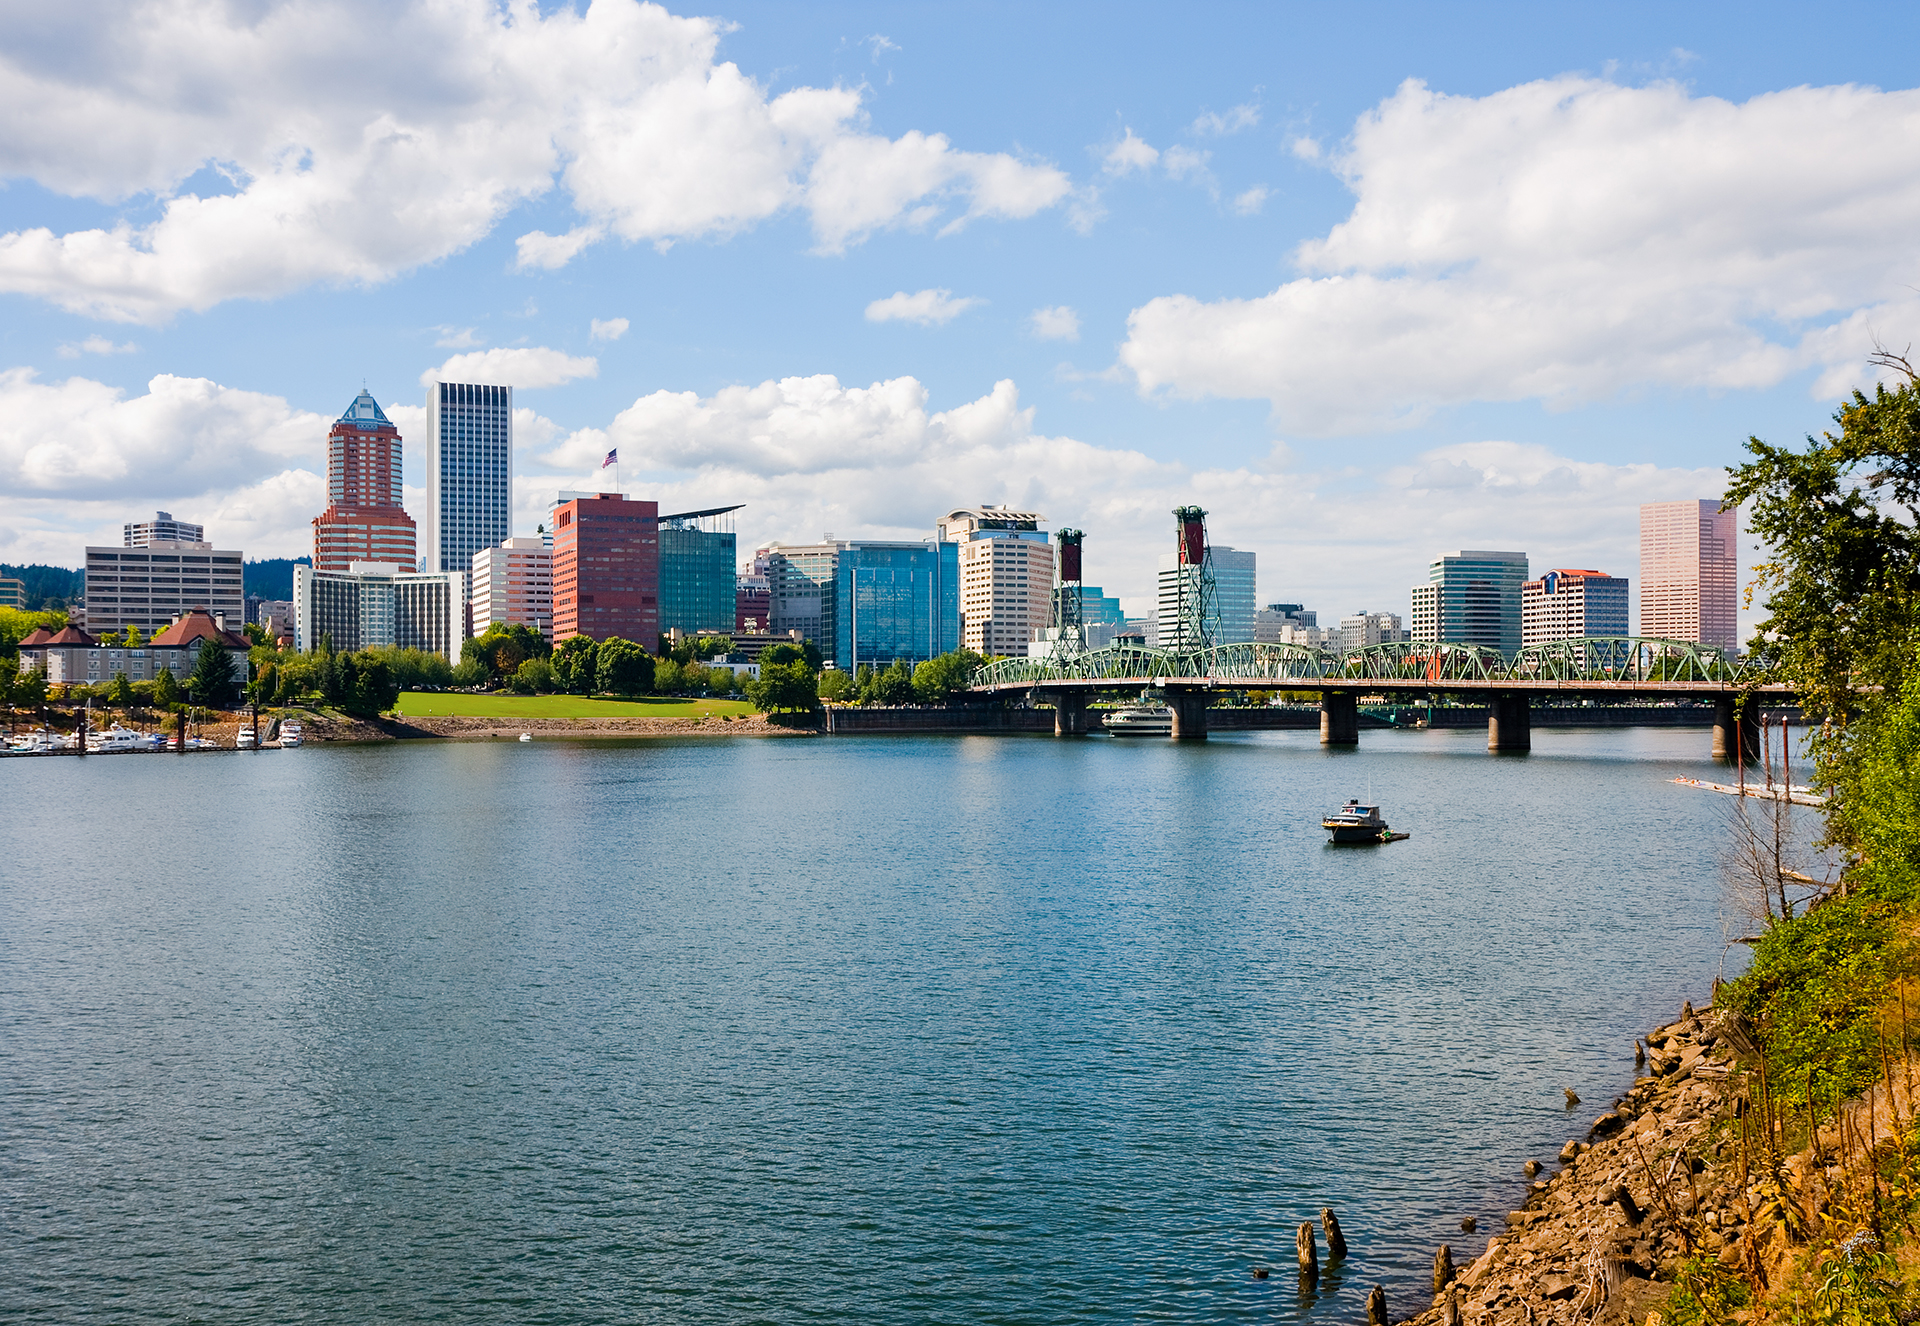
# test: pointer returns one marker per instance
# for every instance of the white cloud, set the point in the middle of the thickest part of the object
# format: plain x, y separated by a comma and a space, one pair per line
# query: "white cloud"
1129, 154
521, 366
1059, 323
1567, 240
1307, 149
95, 345
1181, 162
1244, 116
1250, 202
451, 114
611, 329
926, 307
880, 46
458, 338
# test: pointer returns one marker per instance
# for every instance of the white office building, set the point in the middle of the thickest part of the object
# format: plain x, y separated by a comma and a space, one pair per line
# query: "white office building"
149, 585
1365, 628
1291, 624
373, 605
469, 455
163, 528
513, 583
1006, 576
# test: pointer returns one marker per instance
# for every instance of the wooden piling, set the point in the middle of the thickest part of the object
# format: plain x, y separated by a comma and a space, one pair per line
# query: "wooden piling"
1309, 1253
1336, 1241
1377, 1307
1442, 1269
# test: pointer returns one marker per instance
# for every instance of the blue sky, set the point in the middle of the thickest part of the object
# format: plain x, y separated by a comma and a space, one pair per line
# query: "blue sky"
1144, 255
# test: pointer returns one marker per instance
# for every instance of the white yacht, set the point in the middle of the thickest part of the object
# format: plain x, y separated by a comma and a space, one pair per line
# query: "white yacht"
40, 742
117, 739
1146, 717
291, 734
243, 740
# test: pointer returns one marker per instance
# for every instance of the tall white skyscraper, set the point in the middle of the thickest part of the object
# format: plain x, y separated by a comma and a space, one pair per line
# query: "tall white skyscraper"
469, 474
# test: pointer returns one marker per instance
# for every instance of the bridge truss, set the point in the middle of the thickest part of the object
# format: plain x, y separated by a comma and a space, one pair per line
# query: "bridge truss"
1611, 660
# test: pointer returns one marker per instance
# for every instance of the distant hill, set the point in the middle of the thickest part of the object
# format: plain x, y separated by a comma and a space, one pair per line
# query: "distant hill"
54, 586
272, 577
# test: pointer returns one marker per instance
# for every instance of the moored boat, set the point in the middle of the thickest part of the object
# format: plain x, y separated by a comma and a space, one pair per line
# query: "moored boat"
1146, 717
1355, 823
291, 734
243, 740
117, 739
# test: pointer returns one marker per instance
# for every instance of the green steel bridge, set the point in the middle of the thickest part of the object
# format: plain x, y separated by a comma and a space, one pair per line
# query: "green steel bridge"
1615, 667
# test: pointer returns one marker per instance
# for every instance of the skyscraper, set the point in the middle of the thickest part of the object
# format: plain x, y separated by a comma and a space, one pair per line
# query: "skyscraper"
364, 520
469, 473
1233, 580
873, 600
696, 571
1690, 572
1472, 597
163, 528
606, 569
513, 584
1568, 604
1006, 576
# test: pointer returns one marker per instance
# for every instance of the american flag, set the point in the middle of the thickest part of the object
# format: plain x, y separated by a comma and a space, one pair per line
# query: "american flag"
613, 458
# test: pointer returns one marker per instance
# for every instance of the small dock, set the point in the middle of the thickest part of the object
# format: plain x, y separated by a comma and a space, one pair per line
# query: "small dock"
1797, 795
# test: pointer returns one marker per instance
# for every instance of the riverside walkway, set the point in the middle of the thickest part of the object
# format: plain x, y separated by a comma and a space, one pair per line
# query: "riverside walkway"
1606, 668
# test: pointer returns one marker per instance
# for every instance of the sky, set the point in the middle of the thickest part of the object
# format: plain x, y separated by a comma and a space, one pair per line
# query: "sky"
1369, 289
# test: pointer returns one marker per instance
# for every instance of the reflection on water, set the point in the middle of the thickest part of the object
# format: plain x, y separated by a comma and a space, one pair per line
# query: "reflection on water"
881, 1029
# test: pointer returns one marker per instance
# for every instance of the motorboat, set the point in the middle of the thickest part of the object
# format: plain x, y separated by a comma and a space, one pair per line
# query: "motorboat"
243, 740
291, 734
1148, 716
1355, 823
116, 740
526, 736
39, 742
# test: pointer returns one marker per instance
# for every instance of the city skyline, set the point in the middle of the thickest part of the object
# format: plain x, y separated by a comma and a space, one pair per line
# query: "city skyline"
923, 298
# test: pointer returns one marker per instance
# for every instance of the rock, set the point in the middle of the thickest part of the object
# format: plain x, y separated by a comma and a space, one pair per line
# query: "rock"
1572, 1099
1559, 1286
1569, 1152
1259, 1272
1608, 1124
1450, 1314
1468, 1225
1532, 1167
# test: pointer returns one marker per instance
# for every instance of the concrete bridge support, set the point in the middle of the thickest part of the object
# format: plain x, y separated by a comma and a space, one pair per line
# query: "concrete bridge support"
1339, 719
1189, 714
1736, 742
1069, 711
1510, 723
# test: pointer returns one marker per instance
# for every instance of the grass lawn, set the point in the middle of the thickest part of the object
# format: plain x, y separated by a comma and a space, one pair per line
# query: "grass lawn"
426, 704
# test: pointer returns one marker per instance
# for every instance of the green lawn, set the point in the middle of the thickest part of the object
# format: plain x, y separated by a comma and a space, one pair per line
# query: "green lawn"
425, 704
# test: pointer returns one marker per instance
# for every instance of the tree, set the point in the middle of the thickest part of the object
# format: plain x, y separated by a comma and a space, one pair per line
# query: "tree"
574, 663
785, 686
891, 685
214, 676
939, 679
166, 691
532, 677
504, 647
266, 684
622, 667
256, 634
133, 638
30, 690
669, 676
374, 689
806, 652
122, 693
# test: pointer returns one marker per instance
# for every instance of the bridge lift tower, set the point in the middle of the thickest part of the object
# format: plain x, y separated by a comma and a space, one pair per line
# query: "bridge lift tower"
1069, 607
1197, 619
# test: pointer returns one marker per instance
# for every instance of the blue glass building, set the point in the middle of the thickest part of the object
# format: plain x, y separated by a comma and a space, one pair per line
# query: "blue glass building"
894, 601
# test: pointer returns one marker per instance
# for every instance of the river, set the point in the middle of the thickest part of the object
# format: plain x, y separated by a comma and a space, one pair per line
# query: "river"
855, 1029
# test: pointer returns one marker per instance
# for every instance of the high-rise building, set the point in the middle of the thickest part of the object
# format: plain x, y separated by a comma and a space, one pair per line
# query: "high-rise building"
1472, 597
1568, 604
469, 473
375, 605
364, 520
511, 584
1364, 628
697, 589
1233, 587
13, 593
1006, 576
866, 601
163, 528
150, 585
752, 599
606, 569
1690, 572
1097, 607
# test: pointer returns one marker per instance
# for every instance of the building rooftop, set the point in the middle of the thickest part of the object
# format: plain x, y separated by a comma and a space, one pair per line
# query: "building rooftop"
196, 625
365, 413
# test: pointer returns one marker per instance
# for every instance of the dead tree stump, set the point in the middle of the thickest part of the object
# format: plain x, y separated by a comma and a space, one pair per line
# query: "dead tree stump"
1442, 1269
1377, 1307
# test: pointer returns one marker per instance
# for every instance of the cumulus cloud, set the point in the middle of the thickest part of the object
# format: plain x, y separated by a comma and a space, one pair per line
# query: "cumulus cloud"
927, 307
1182, 162
1250, 202
458, 338
1567, 240
611, 329
1130, 154
1059, 323
450, 115
520, 366
95, 345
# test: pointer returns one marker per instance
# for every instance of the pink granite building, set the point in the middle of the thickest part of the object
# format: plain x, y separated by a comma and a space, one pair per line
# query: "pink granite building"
1690, 572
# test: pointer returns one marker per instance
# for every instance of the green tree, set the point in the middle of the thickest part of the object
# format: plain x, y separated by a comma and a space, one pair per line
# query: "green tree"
122, 693
504, 647
166, 691
835, 684
806, 652
939, 679
622, 667
374, 688
214, 675
783, 687
891, 685
574, 665
133, 638
532, 677
256, 634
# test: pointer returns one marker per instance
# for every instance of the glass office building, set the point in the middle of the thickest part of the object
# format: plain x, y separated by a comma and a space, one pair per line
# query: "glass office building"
697, 552
469, 456
1472, 597
894, 601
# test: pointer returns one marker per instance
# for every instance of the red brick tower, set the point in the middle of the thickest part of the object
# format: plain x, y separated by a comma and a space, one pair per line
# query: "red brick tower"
606, 569
364, 520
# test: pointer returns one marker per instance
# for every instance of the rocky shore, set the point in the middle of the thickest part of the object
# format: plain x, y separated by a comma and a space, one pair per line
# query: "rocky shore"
1653, 1180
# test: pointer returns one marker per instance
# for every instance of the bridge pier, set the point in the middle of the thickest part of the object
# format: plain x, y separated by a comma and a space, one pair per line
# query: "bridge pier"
1069, 711
1736, 742
1339, 719
1189, 714
1510, 723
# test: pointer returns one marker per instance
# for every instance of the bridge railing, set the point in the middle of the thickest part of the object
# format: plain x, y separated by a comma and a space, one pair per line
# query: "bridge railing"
1611, 659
